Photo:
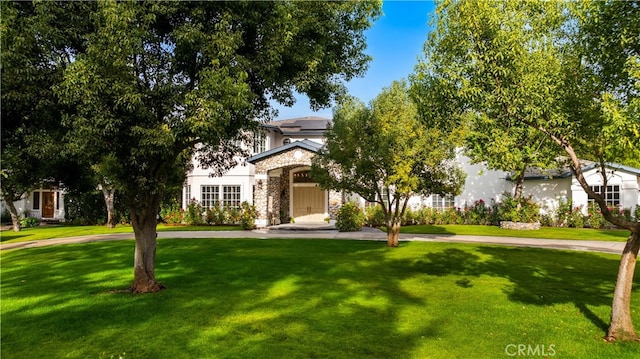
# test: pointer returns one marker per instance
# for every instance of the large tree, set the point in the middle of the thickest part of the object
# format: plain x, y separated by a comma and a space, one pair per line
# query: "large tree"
36, 47
551, 67
161, 82
386, 154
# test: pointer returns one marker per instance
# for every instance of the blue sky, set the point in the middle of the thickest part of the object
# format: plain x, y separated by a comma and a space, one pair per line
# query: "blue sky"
394, 41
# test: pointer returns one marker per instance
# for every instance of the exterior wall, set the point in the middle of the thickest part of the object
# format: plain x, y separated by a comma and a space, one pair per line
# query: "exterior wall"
34, 207
548, 192
481, 183
629, 187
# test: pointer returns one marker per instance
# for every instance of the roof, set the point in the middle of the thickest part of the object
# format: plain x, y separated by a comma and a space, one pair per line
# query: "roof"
300, 126
564, 171
304, 144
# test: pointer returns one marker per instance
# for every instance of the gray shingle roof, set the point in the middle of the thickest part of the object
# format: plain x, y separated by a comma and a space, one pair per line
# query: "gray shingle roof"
305, 144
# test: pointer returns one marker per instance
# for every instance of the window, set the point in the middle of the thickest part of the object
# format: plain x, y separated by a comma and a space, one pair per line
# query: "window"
57, 200
210, 195
231, 196
611, 194
259, 142
286, 141
385, 196
187, 194
36, 200
442, 202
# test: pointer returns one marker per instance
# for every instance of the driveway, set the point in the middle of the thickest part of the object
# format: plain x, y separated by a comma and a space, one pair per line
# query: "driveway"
365, 234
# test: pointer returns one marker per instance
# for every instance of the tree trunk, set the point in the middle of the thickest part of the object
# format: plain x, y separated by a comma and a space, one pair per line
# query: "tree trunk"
109, 197
621, 326
519, 184
143, 220
393, 232
15, 219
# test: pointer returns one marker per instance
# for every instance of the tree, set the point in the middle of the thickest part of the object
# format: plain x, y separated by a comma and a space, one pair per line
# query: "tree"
37, 46
161, 82
385, 154
543, 66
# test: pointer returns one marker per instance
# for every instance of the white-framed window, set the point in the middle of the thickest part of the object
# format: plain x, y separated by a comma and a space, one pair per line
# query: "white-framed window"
442, 202
611, 194
259, 142
385, 197
187, 194
209, 196
231, 196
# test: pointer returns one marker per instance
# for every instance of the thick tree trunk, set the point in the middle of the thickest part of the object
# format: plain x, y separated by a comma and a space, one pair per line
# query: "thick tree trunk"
393, 232
621, 326
109, 197
144, 223
15, 219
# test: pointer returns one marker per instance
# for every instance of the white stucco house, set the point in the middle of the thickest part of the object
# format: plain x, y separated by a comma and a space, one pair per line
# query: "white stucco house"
276, 180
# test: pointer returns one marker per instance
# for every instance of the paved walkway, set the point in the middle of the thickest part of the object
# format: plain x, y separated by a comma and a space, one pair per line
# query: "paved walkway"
365, 234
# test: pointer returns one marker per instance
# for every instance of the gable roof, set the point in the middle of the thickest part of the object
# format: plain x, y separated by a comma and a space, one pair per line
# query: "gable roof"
304, 144
533, 173
310, 125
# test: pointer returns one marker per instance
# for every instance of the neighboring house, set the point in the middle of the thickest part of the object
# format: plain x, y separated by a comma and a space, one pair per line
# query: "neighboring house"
46, 204
548, 188
276, 180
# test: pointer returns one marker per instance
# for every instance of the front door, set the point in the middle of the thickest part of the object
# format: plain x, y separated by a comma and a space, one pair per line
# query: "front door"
48, 204
308, 204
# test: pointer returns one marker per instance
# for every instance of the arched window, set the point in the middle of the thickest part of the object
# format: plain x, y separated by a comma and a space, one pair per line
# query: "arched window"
286, 141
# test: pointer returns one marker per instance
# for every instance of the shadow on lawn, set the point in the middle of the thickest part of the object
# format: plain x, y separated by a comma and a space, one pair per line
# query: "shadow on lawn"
553, 277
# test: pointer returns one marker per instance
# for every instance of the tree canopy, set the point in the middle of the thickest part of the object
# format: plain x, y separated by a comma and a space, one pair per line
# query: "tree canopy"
545, 68
384, 153
152, 84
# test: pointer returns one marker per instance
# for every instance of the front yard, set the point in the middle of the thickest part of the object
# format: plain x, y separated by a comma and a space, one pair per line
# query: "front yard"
251, 298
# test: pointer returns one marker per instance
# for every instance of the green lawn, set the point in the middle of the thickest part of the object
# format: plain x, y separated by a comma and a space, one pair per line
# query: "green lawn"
308, 298
62, 231
544, 232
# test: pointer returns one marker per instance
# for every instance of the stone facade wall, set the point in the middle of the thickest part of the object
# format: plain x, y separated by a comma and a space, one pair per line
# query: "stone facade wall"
336, 200
292, 158
272, 199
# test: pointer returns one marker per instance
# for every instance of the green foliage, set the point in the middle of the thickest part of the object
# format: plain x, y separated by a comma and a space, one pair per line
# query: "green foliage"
29, 222
518, 210
84, 208
350, 218
193, 215
596, 220
172, 214
216, 215
374, 216
386, 149
248, 216
5, 216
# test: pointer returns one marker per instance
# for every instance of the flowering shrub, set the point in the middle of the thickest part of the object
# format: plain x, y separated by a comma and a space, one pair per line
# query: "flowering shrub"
521, 210
173, 214
350, 218
194, 213
596, 220
248, 215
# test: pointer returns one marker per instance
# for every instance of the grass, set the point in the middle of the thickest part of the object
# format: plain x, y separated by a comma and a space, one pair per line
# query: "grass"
63, 231
251, 298
616, 235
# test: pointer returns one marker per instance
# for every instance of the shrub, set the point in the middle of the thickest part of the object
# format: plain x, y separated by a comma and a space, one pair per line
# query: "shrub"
172, 214
636, 213
5, 216
596, 220
522, 210
374, 216
193, 214
350, 218
216, 215
424, 215
29, 222
248, 216
577, 218
563, 214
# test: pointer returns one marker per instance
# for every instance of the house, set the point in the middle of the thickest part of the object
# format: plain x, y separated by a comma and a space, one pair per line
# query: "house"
276, 180
45, 203
549, 188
